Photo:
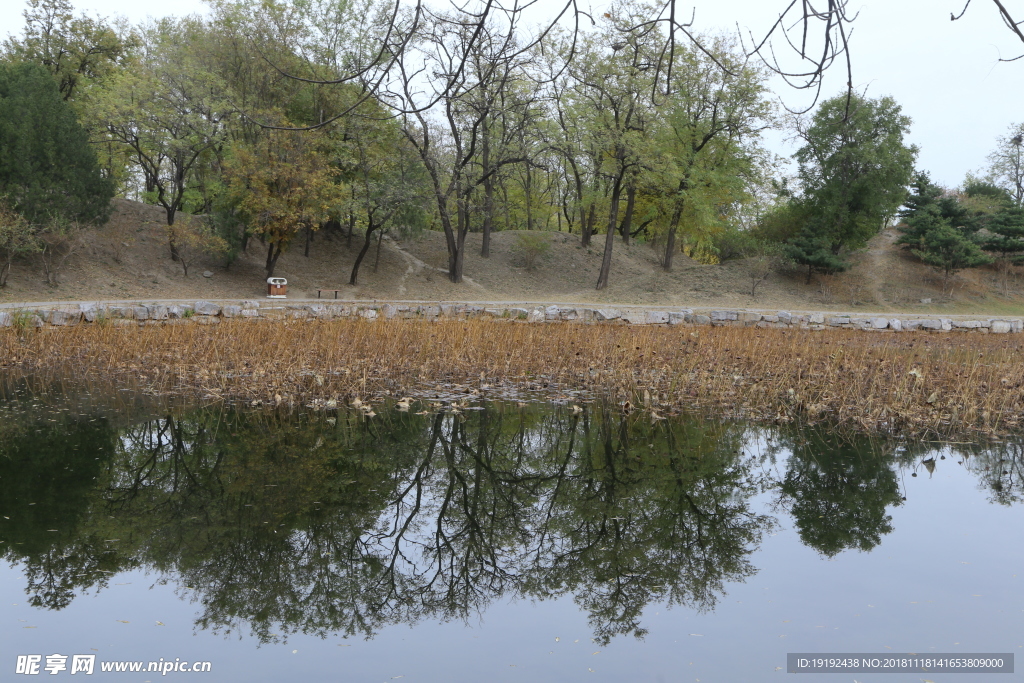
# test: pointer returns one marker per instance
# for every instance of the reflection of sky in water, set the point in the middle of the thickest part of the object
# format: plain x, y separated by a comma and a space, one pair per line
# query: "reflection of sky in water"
946, 579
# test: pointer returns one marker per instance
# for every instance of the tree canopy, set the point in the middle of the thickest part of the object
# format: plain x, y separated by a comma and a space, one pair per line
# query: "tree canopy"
47, 167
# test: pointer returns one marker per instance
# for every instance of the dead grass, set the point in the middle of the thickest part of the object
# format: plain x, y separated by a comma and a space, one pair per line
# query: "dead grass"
907, 383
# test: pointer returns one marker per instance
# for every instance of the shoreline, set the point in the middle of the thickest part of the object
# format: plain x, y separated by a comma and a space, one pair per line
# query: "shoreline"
149, 312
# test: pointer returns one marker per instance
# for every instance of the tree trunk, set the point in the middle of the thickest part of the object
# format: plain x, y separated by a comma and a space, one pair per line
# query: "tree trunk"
627, 220
677, 214
529, 203
368, 239
456, 256
670, 245
485, 163
376, 261
309, 238
609, 241
588, 224
272, 256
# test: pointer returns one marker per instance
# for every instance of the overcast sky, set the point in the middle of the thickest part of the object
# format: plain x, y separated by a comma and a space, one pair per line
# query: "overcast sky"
945, 74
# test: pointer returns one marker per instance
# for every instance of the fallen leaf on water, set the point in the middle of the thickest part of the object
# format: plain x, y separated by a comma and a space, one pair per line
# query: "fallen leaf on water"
160, 623
29, 627
123, 621
557, 639
695, 634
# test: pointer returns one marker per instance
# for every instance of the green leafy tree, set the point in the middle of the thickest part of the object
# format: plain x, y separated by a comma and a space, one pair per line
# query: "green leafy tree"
855, 167
47, 167
77, 51
282, 185
170, 112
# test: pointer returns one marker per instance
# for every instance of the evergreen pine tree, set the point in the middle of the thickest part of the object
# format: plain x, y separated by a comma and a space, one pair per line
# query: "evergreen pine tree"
47, 168
948, 250
814, 251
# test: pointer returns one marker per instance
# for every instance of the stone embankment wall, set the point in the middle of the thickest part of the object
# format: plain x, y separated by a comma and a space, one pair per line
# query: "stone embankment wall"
207, 312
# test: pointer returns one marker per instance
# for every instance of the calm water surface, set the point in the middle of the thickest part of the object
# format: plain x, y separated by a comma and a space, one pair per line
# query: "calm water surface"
503, 543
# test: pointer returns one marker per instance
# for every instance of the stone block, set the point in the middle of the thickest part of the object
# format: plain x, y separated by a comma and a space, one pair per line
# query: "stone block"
837, 321
930, 324
678, 317
206, 308
140, 313
90, 312
430, 311
368, 314
447, 310
157, 312
518, 313
65, 316
568, 314
896, 324
6, 319
126, 312
607, 314
250, 305
231, 311
634, 317
1000, 327
552, 313
212, 319
785, 317
250, 313
749, 317
656, 318
700, 319
816, 318
879, 323
722, 316
535, 316
967, 324
389, 311
1016, 325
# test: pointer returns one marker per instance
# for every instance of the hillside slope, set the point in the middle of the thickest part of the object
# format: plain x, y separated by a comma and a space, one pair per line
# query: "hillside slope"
128, 259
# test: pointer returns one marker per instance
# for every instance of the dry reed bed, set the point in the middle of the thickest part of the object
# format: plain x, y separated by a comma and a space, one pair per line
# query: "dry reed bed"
911, 383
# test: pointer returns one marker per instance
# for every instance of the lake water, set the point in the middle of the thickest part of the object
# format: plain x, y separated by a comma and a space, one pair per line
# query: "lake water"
503, 542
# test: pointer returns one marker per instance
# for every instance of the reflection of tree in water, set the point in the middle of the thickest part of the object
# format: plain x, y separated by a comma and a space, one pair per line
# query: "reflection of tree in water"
837, 487
322, 525
999, 466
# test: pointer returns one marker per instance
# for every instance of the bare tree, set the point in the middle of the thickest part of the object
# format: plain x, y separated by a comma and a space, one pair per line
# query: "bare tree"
446, 101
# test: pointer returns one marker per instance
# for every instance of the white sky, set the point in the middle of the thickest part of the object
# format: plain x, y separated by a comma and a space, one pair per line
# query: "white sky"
945, 74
